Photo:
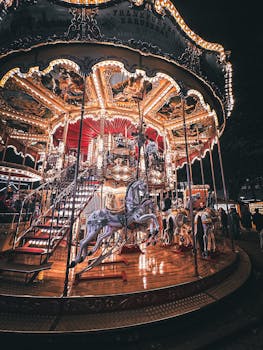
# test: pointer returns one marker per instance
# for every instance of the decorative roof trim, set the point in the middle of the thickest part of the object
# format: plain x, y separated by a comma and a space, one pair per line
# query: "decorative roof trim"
162, 5
35, 69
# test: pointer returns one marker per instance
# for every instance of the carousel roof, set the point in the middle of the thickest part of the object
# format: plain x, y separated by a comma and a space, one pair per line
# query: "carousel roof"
42, 85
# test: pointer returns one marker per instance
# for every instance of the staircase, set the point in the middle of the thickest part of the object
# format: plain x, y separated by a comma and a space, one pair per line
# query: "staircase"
50, 225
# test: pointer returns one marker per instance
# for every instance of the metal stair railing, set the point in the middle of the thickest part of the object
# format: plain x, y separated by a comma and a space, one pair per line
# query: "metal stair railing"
63, 197
45, 192
59, 204
82, 205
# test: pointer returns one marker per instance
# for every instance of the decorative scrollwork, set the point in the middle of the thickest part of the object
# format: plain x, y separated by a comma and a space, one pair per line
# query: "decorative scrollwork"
83, 25
145, 46
191, 57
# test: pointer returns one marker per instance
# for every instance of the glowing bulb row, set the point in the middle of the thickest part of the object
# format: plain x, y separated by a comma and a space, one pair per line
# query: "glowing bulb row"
228, 88
30, 175
162, 5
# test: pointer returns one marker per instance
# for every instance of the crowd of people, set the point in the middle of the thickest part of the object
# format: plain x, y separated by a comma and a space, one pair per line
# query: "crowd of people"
11, 201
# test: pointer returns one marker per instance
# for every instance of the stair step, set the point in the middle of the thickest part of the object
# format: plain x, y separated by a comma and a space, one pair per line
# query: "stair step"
70, 206
23, 268
38, 243
49, 226
43, 237
30, 250
55, 218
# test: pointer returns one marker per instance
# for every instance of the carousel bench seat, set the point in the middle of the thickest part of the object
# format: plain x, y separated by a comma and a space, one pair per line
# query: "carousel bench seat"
30, 271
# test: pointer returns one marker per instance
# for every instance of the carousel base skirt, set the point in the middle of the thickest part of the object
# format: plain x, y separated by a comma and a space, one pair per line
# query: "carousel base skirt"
160, 285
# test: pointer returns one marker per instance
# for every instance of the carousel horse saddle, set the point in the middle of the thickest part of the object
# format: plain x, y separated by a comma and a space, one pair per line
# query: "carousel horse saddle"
115, 203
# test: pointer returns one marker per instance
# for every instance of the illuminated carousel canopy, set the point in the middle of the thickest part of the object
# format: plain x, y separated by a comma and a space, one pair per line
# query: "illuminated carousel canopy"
50, 49
100, 102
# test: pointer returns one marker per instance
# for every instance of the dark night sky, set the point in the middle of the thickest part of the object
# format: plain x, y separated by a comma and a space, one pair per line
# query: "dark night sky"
237, 26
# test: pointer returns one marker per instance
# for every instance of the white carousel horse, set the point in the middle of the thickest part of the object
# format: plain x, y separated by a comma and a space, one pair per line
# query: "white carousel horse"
102, 223
152, 153
177, 226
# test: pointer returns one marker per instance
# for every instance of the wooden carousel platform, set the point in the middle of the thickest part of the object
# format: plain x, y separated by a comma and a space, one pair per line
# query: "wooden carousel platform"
159, 283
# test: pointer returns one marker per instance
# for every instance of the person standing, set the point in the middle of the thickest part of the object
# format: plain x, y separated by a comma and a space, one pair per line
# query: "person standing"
209, 236
223, 219
258, 222
167, 204
198, 228
246, 218
234, 223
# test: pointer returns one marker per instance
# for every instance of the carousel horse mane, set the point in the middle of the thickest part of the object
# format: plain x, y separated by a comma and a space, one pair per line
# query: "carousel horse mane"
129, 188
127, 192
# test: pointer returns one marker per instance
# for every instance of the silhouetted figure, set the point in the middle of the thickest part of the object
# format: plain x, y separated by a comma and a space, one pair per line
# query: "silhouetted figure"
198, 228
258, 222
246, 219
18, 204
234, 223
224, 223
9, 192
167, 203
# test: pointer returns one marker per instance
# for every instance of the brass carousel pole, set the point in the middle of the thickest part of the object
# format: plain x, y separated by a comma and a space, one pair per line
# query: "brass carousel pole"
202, 175
213, 175
47, 151
176, 181
65, 134
191, 172
189, 187
101, 154
139, 140
72, 219
201, 166
224, 185
23, 163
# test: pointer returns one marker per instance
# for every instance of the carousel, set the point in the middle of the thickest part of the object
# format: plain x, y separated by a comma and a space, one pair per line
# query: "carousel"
101, 104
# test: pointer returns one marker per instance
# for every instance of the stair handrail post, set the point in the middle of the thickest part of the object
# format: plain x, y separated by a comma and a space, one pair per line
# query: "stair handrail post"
66, 281
51, 227
18, 222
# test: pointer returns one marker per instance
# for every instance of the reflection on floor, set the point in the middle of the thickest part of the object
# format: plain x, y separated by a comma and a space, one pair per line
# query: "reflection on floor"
155, 267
